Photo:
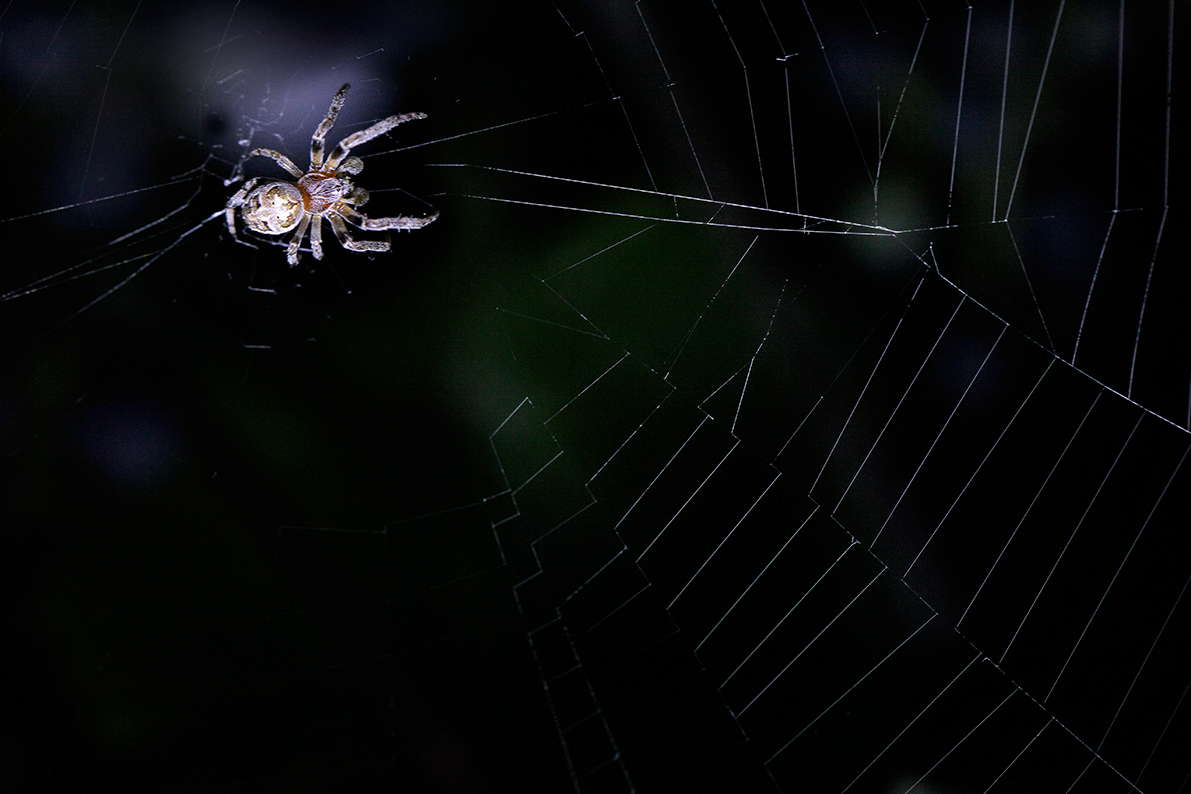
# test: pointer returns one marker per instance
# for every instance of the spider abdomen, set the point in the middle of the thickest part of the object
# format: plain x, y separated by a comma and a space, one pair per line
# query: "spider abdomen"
273, 209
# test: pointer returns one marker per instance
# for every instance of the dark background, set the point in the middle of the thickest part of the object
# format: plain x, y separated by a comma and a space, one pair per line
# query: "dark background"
788, 398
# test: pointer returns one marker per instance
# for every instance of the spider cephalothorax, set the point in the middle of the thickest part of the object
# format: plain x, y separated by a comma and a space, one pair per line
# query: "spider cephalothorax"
274, 206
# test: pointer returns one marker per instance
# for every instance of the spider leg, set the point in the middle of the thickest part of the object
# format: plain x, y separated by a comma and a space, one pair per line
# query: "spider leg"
316, 236
408, 222
278, 158
363, 136
237, 200
319, 139
291, 253
349, 242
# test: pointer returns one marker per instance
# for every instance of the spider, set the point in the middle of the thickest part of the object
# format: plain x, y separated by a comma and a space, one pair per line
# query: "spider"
275, 206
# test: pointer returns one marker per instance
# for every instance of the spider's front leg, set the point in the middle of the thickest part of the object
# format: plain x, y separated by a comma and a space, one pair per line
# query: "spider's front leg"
405, 222
363, 136
351, 243
318, 141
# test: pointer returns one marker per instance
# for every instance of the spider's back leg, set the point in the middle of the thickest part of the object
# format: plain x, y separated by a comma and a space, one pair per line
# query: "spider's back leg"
278, 158
237, 200
295, 244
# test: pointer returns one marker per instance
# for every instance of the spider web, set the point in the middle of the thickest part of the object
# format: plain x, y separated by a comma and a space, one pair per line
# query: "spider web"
789, 397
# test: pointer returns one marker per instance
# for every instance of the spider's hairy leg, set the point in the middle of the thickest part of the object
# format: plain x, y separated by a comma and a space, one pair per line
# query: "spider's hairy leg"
407, 222
349, 242
291, 253
229, 213
278, 158
237, 200
316, 236
319, 139
363, 136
